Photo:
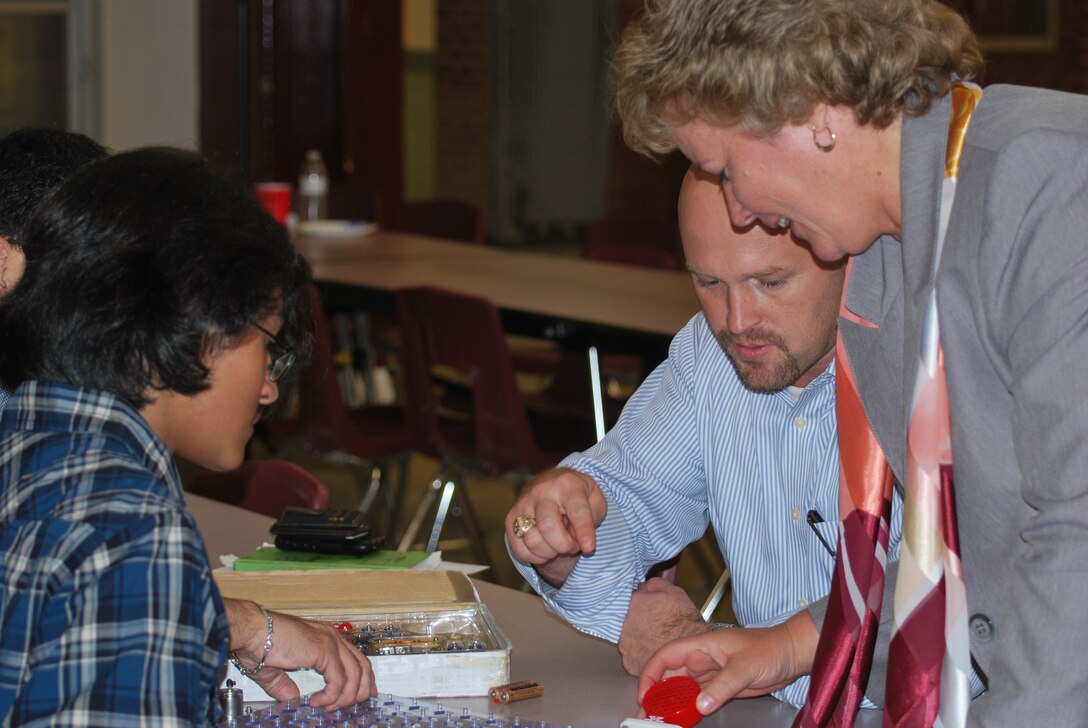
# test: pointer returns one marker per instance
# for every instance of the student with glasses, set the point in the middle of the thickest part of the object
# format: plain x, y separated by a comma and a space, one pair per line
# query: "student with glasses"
159, 307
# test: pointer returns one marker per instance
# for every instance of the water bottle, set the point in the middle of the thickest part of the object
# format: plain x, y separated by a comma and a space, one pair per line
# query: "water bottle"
313, 187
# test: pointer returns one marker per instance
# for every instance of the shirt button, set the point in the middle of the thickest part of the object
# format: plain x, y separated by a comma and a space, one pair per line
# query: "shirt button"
981, 627
802, 602
799, 422
795, 514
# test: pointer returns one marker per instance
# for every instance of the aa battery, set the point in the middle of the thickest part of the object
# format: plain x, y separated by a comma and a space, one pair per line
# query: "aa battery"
515, 691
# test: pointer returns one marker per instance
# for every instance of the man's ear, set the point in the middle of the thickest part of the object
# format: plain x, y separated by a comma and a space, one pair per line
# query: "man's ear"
5, 252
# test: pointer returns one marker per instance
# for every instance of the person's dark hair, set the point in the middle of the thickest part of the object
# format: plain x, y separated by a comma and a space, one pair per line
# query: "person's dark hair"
139, 268
33, 162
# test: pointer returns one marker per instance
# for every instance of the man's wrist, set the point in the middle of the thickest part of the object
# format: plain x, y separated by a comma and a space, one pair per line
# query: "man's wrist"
556, 571
248, 625
803, 637
266, 646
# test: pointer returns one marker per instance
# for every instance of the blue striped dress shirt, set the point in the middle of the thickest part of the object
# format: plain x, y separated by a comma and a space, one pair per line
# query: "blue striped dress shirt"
108, 612
694, 446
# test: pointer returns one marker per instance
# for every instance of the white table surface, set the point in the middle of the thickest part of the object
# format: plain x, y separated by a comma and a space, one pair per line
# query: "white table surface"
585, 685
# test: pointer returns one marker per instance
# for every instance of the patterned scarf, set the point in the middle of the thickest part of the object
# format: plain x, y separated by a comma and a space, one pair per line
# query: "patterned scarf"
929, 664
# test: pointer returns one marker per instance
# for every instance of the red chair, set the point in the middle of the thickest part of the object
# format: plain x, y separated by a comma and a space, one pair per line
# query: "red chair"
368, 438
443, 218
647, 256
263, 486
348, 202
649, 243
461, 221
462, 397
439, 218
644, 242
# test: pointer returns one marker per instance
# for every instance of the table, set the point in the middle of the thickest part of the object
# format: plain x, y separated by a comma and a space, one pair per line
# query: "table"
619, 307
585, 305
585, 686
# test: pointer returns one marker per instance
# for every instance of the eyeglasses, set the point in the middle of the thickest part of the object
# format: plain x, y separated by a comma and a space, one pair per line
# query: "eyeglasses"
282, 358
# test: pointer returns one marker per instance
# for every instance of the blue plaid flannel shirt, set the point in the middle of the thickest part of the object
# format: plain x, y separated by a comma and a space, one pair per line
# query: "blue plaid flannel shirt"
108, 612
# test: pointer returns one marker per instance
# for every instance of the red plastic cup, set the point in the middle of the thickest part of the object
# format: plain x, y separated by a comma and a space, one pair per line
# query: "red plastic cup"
276, 197
673, 701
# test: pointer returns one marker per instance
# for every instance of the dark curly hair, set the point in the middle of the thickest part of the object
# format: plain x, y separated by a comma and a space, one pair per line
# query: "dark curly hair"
141, 266
32, 163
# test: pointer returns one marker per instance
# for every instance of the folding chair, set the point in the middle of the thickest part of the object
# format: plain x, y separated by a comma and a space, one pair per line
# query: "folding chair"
461, 392
649, 243
443, 218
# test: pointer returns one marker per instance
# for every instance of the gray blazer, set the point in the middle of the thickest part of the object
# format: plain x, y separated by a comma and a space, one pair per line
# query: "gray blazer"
1012, 292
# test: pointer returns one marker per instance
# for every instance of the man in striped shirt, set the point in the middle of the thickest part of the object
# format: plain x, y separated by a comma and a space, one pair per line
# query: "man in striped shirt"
735, 429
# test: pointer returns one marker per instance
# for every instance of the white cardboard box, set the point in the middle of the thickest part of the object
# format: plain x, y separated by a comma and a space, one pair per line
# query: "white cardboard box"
438, 602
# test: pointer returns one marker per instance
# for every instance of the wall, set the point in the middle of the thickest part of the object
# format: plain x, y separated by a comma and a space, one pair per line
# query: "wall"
471, 129
32, 76
463, 103
149, 89
420, 45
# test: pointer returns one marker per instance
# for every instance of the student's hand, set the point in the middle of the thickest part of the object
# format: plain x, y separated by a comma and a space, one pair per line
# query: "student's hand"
298, 644
567, 507
736, 663
660, 612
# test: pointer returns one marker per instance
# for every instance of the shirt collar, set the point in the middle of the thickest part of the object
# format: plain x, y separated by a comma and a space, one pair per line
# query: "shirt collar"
821, 387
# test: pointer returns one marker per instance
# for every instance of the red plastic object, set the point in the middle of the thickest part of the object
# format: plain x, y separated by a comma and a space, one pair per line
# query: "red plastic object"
276, 198
263, 486
673, 701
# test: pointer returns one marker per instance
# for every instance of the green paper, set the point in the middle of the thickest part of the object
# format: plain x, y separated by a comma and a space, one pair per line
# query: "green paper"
269, 558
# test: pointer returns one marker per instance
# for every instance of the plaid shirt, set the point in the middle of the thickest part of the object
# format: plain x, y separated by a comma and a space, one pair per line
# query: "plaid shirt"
108, 613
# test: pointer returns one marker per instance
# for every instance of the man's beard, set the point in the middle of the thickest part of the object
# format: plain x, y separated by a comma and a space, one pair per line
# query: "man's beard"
763, 376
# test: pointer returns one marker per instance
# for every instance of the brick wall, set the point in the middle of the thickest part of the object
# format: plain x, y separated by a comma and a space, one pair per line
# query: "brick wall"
463, 70
638, 187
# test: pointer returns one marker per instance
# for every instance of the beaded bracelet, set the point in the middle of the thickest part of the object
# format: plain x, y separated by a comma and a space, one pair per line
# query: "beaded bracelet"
267, 648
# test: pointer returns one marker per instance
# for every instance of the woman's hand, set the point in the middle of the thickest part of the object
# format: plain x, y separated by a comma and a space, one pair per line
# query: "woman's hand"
737, 663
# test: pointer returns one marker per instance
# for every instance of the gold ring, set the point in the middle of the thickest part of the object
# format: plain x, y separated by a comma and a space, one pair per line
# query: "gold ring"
523, 524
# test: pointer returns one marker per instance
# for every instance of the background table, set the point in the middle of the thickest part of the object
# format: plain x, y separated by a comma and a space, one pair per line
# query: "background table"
585, 685
582, 304
616, 307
